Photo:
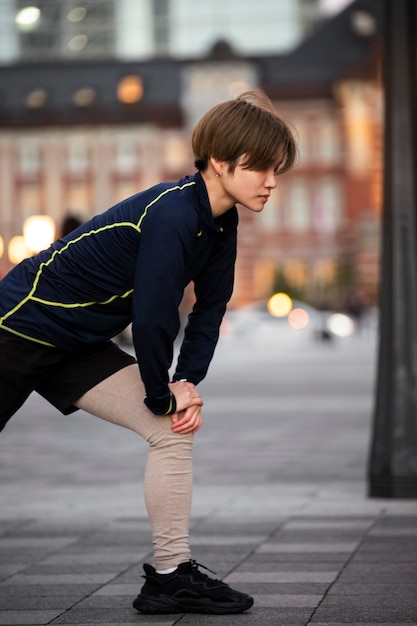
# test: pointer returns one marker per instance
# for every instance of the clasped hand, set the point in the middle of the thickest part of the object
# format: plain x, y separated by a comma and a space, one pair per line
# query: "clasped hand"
187, 418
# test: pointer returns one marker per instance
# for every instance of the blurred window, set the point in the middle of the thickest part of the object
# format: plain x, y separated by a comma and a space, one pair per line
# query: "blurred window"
270, 217
299, 213
77, 154
328, 141
78, 199
125, 154
328, 205
302, 136
30, 199
64, 28
29, 156
123, 190
161, 25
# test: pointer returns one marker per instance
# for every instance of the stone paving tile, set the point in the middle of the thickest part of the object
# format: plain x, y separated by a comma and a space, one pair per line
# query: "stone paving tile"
281, 577
131, 576
8, 590
60, 528
386, 572
328, 560
393, 532
282, 588
74, 569
212, 540
61, 579
288, 563
81, 549
118, 589
27, 617
400, 544
315, 536
287, 600
340, 547
113, 538
92, 558
14, 524
365, 608
23, 602
101, 616
275, 616
363, 623
108, 602
9, 570
378, 557
28, 543
327, 524
370, 588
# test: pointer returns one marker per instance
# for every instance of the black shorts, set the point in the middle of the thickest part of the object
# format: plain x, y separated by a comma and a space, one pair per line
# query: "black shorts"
59, 376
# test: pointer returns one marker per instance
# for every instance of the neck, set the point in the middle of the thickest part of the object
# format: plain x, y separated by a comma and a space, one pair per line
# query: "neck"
220, 201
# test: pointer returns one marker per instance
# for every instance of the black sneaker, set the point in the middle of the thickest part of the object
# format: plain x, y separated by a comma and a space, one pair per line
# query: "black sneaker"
187, 590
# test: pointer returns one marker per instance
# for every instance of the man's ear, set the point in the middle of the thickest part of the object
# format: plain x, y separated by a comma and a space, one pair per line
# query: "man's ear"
218, 167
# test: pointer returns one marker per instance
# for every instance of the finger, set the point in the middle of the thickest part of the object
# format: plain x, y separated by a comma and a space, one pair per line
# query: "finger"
186, 423
190, 425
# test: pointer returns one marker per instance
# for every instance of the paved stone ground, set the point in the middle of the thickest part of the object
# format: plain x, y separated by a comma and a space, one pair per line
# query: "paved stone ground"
280, 507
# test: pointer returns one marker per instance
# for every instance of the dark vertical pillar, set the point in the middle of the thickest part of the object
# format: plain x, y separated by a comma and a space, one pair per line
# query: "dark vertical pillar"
393, 453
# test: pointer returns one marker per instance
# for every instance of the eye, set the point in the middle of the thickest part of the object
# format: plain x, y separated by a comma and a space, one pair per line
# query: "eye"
277, 170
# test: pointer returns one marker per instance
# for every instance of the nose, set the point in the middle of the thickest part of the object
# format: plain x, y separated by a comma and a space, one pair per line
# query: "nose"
270, 180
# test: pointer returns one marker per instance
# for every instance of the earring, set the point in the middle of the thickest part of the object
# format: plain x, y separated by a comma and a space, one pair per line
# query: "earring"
219, 174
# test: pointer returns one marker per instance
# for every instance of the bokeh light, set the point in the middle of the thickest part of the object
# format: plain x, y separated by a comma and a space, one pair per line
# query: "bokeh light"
341, 325
130, 89
17, 250
28, 18
279, 305
298, 318
38, 232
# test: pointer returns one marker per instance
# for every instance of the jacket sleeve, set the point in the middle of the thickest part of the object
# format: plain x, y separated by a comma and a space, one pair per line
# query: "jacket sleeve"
158, 290
213, 289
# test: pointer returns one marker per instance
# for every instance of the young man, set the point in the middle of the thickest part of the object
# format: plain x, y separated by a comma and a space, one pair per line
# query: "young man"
60, 309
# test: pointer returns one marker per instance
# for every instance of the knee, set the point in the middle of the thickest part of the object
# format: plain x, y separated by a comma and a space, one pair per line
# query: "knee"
165, 438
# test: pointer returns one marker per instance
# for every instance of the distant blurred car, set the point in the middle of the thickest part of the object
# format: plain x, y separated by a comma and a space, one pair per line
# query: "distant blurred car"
301, 318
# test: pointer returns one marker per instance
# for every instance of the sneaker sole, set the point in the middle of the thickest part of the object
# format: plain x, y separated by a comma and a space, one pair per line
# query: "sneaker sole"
166, 604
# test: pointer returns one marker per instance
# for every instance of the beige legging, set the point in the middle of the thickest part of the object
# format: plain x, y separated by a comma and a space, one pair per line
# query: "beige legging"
168, 476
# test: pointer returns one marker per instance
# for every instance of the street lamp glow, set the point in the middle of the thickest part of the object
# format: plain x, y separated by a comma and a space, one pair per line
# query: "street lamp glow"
298, 319
279, 305
341, 325
27, 19
130, 89
17, 250
38, 232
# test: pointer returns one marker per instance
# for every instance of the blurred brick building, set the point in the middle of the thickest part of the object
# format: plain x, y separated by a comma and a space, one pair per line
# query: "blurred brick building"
77, 136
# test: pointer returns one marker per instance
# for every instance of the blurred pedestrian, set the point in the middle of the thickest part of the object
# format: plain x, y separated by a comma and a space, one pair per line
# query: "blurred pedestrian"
69, 223
60, 309
357, 306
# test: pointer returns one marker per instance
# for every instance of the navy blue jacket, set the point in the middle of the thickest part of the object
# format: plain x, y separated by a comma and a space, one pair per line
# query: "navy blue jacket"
132, 264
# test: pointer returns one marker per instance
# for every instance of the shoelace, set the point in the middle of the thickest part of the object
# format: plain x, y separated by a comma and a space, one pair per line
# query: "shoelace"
196, 565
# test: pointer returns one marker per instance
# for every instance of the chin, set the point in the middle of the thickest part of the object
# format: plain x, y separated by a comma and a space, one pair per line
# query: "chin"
254, 209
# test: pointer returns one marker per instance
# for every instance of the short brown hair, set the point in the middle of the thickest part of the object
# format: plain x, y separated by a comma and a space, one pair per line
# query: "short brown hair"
247, 125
